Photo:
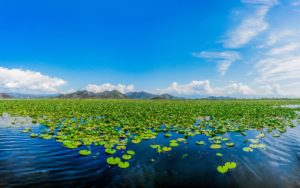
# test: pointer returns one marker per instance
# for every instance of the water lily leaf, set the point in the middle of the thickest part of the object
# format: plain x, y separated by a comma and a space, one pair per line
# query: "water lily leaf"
126, 157
154, 146
215, 146
229, 144
166, 148
174, 144
32, 135
222, 169
247, 149
123, 164
130, 152
110, 151
113, 160
219, 154
230, 165
276, 135
85, 152
200, 142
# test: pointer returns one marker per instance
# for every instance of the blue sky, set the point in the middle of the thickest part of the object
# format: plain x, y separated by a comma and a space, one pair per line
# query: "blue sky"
245, 48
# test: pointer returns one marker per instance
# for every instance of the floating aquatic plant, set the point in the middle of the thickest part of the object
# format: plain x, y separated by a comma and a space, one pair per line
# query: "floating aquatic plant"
85, 152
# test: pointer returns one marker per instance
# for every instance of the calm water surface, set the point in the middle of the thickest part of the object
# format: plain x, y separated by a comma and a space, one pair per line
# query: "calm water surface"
27, 162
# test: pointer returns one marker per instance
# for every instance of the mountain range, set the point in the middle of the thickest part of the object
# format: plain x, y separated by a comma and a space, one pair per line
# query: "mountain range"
115, 94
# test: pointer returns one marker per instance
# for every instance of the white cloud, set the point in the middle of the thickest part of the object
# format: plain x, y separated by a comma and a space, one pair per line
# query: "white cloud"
109, 87
238, 89
203, 88
278, 36
224, 59
284, 49
271, 90
195, 87
272, 70
28, 81
251, 26
296, 3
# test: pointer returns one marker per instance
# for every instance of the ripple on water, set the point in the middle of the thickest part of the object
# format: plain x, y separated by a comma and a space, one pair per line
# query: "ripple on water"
31, 162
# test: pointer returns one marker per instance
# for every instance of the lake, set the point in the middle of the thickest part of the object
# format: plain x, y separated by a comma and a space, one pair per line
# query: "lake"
25, 161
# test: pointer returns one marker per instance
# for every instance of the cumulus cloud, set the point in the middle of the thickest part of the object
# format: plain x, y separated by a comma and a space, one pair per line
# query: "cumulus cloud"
271, 90
203, 88
251, 26
238, 89
224, 58
28, 81
109, 87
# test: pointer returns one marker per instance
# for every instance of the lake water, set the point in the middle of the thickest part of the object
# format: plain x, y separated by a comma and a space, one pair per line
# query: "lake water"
46, 163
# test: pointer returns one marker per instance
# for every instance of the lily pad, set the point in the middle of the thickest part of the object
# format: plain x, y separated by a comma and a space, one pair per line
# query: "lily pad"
222, 169
123, 164
85, 152
174, 144
130, 152
247, 149
200, 142
230, 165
126, 157
113, 160
215, 146
229, 144
110, 151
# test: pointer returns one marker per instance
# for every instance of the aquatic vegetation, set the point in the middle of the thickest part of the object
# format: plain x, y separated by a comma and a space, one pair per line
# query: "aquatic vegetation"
215, 146
110, 151
247, 149
227, 166
219, 154
116, 125
126, 157
123, 164
200, 142
85, 152
229, 144
113, 160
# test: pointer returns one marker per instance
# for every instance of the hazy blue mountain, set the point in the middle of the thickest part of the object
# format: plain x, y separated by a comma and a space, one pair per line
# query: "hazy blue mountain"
145, 95
87, 94
5, 96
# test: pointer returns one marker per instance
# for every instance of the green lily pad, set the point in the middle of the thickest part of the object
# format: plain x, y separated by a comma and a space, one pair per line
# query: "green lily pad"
123, 164
219, 154
247, 149
215, 146
229, 144
113, 160
110, 151
200, 142
126, 157
85, 152
154, 146
32, 135
166, 148
230, 165
174, 144
222, 169
130, 152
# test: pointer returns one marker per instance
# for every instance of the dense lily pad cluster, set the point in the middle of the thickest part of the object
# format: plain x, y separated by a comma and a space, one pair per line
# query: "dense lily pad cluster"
113, 124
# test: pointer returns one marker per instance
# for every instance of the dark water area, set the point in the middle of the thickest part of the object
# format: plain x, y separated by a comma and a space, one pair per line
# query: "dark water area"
28, 162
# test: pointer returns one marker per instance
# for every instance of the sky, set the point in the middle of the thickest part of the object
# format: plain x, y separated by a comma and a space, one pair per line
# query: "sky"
192, 48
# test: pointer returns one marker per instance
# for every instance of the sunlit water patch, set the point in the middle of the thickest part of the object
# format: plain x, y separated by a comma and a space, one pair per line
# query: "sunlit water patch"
34, 162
